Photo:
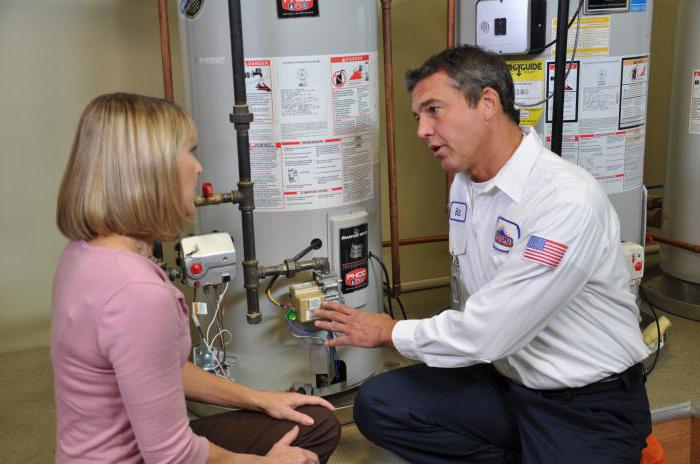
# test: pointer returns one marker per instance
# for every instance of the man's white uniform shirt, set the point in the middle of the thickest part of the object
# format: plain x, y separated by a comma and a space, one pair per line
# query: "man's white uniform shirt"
547, 319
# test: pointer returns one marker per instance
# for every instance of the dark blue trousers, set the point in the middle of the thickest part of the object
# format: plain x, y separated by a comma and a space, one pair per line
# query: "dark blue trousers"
473, 415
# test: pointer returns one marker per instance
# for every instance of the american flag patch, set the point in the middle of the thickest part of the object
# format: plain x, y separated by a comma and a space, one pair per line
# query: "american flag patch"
544, 251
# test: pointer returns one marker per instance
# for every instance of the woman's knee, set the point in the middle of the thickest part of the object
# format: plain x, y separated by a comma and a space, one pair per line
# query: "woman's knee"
323, 436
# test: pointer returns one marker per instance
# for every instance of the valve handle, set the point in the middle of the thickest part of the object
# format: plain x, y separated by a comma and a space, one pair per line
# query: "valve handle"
207, 190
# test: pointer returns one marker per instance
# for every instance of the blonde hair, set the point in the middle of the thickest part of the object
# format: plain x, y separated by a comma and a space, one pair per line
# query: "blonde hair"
122, 175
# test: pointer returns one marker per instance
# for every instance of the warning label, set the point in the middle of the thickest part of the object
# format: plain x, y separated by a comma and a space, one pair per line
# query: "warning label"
570, 91
607, 138
633, 103
593, 36
314, 136
694, 118
528, 78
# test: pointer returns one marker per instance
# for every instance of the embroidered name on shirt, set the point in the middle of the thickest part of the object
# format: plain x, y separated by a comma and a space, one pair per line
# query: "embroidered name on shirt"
544, 251
458, 211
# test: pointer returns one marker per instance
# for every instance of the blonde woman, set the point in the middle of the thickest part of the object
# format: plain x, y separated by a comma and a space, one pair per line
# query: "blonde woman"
120, 332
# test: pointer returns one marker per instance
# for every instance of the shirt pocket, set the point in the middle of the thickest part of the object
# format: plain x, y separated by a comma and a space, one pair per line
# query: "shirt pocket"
458, 238
458, 246
498, 258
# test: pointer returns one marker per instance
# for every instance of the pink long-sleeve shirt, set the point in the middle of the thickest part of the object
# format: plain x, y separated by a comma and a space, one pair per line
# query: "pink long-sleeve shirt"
119, 338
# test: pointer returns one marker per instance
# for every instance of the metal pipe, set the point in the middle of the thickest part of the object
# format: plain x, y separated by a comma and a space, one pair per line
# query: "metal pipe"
218, 198
391, 149
451, 42
675, 243
241, 118
418, 240
451, 23
560, 76
165, 50
291, 267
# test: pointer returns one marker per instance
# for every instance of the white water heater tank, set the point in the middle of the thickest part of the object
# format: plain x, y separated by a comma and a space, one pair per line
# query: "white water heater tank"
312, 81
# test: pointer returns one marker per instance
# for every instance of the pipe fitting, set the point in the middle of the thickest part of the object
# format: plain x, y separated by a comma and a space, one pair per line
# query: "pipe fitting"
218, 198
241, 117
247, 195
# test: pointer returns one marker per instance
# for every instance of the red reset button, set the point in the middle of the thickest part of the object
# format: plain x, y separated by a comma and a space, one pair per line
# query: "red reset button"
196, 268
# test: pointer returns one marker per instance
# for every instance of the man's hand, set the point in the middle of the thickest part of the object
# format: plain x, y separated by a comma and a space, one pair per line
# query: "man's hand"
360, 328
283, 452
283, 405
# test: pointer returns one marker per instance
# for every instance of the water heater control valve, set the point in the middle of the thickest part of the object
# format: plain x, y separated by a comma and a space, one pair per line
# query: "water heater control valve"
307, 297
207, 259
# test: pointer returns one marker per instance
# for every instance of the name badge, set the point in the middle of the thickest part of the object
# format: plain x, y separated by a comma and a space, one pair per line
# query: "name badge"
458, 211
507, 232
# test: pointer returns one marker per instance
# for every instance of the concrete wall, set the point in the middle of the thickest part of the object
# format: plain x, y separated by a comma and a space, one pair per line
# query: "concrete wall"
57, 55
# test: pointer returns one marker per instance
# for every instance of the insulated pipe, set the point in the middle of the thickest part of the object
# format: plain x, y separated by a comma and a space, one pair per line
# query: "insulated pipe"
165, 50
241, 118
560, 76
391, 149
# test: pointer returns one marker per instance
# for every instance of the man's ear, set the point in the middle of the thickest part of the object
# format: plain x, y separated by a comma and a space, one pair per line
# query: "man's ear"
489, 103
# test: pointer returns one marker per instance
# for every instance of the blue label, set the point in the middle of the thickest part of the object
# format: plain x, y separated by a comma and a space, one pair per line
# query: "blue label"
639, 6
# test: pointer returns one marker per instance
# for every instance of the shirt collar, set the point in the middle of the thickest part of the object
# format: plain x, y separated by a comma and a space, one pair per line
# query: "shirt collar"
512, 177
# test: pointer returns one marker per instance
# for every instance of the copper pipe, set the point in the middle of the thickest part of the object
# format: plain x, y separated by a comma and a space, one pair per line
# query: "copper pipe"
165, 50
451, 23
675, 243
391, 149
418, 240
451, 19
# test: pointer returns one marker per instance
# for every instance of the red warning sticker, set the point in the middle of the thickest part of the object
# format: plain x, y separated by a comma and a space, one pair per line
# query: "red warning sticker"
297, 8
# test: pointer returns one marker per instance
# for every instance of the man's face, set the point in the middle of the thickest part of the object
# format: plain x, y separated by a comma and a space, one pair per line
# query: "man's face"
453, 130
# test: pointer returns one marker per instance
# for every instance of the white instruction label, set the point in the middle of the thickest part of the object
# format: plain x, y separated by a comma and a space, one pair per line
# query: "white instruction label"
199, 308
604, 130
593, 37
694, 119
633, 99
314, 137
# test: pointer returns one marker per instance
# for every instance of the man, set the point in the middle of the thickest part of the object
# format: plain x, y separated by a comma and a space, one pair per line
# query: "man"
539, 361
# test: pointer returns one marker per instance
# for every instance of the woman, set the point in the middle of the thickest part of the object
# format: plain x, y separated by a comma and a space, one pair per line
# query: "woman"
120, 331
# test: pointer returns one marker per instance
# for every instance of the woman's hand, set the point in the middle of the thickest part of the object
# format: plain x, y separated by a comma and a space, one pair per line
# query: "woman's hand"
283, 452
283, 405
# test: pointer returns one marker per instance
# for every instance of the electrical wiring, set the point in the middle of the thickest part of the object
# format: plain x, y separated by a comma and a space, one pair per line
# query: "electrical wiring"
222, 333
389, 293
568, 26
386, 281
205, 338
653, 308
216, 311
570, 60
272, 299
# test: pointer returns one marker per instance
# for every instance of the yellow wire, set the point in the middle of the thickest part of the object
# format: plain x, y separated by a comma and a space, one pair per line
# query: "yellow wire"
271, 298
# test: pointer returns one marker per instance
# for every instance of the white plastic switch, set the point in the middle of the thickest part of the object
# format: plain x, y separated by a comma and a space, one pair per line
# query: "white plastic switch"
634, 257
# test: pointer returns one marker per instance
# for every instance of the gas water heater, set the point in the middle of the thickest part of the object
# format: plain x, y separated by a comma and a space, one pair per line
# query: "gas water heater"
311, 79
606, 86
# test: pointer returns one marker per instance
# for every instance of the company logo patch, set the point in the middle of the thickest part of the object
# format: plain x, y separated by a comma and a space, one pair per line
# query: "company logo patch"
507, 232
458, 211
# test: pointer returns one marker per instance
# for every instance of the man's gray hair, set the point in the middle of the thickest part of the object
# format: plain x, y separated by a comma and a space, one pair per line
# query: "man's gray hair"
473, 69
